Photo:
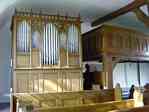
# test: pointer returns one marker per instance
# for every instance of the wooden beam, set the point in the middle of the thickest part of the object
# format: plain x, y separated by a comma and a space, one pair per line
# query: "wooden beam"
135, 4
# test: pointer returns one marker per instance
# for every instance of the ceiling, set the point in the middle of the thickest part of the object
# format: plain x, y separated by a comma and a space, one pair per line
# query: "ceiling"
89, 10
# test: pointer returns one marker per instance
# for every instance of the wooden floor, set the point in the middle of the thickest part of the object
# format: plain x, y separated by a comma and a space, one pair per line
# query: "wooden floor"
4, 107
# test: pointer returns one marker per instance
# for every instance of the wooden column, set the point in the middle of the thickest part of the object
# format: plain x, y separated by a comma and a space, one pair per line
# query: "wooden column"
107, 74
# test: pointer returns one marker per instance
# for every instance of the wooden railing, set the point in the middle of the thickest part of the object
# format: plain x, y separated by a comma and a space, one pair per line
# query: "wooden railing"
125, 41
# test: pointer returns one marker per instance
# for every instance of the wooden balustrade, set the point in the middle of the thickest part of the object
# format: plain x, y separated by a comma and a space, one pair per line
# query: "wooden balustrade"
114, 40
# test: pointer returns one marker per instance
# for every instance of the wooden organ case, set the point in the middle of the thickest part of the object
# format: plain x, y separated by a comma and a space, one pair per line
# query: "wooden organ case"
46, 53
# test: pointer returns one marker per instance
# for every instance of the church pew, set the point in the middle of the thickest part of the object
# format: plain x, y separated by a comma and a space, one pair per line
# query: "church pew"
67, 98
136, 109
95, 107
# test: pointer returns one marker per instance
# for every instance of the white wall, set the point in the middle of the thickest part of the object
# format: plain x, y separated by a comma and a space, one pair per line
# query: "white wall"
126, 74
5, 55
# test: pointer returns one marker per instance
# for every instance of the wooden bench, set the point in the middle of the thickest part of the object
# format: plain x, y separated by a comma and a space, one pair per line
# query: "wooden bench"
136, 109
95, 107
67, 98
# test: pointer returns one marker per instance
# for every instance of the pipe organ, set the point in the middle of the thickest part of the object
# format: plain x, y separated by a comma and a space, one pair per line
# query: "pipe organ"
46, 53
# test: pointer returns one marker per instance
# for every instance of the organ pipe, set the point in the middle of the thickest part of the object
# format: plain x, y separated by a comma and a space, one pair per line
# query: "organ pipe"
44, 45
49, 52
51, 58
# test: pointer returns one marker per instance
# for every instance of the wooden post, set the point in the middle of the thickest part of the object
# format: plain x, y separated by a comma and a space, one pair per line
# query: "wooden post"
107, 75
13, 103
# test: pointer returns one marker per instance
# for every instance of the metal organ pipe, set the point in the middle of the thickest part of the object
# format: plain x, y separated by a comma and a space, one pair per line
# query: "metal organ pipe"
21, 37
23, 27
73, 38
47, 45
54, 39
55, 48
46, 48
78, 42
52, 43
76, 39
18, 39
48, 42
25, 36
51, 47
44, 44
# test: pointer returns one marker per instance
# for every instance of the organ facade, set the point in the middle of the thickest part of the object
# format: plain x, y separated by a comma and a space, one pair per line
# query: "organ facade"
46, 53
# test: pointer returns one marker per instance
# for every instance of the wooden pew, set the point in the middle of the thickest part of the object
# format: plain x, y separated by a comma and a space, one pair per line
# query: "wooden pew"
95, 107
136, 109
67, 98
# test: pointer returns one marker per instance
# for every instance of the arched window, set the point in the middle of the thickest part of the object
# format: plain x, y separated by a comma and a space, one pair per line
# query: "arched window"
23, 33
73, 39
50, 44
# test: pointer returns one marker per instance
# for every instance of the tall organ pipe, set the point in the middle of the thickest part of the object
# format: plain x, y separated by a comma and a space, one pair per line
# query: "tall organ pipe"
73, 39
56, 46
44, 50
54, 39
47, 42
25, 35
22, 38
50, 47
